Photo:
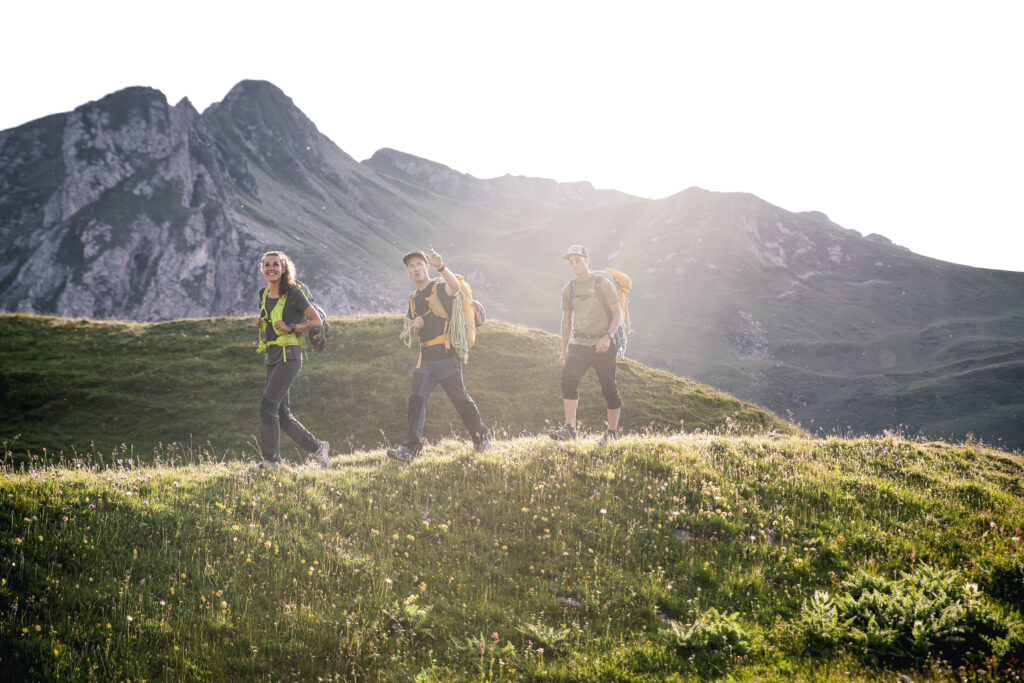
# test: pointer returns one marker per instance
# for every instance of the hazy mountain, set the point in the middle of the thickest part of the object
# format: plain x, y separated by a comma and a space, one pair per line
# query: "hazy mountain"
134, 209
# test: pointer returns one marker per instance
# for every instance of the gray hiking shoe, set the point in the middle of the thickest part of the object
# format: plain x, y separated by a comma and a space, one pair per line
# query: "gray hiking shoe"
482, 446
268, 464
566, 432
321, 454
610, 436
402, 453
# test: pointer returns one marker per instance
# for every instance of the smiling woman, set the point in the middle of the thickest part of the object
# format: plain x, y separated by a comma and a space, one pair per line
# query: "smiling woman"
285, 313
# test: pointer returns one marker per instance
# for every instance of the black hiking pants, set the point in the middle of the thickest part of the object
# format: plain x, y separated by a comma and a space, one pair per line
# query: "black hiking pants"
448, 373
578, 359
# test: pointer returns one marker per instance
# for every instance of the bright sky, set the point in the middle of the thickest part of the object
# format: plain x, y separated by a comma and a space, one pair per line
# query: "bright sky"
900, 117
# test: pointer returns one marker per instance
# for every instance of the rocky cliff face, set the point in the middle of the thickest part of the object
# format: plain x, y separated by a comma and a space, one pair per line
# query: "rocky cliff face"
133, 223
134, 209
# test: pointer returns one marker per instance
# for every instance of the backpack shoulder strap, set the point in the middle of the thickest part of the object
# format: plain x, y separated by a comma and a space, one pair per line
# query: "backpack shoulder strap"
434, 304
263, 303
597, 293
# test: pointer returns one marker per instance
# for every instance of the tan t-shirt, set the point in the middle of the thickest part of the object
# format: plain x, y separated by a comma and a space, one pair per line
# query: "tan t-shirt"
590, 318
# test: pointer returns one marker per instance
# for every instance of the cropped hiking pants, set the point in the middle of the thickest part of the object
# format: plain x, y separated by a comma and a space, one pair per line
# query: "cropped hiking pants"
577, 360
448, 373
275, 414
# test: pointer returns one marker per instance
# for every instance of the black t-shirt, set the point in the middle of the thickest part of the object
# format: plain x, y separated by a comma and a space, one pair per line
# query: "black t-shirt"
433, 325
294, 313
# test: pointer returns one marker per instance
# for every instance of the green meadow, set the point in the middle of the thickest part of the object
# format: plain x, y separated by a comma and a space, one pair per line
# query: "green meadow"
114, 390
138, 542
685, 557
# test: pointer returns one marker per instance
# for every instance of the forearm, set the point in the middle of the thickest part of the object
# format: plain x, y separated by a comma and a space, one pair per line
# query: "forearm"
616, 320
311, 322
454, 286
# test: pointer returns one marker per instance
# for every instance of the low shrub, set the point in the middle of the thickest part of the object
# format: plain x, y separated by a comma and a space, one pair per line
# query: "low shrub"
926, 615
712, 642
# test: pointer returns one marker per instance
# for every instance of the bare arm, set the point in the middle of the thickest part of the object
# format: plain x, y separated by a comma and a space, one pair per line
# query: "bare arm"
613, 325
451, 283
566, 329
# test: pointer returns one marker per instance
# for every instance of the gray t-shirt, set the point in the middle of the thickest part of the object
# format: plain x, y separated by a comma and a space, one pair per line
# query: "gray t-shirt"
589, 315
295, 306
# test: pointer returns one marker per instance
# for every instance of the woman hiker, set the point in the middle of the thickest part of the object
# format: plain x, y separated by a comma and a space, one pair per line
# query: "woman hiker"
285, 314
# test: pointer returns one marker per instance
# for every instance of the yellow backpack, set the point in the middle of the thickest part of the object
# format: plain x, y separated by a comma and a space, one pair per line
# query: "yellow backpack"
623, 286
460, 326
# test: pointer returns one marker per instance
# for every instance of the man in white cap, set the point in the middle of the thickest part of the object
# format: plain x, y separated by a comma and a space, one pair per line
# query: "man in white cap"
590, 316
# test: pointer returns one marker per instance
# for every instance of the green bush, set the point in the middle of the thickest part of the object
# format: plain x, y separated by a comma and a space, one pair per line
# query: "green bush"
926, 615
712, 642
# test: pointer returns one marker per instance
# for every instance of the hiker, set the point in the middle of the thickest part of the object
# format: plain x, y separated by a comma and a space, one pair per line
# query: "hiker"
285, 313
590, 317
437, 361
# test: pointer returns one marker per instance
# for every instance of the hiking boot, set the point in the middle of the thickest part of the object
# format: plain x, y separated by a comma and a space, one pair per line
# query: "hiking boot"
566, 432
402, 453
269, 464
321, 454
610, 436
482, 446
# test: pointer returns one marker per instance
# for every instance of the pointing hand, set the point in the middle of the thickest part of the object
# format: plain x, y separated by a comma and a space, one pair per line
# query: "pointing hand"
433, 258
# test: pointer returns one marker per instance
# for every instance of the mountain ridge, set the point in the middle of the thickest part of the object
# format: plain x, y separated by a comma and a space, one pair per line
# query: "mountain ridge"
132, 209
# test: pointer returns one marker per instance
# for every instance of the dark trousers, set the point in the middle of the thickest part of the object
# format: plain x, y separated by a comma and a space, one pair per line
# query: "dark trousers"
275, 414
448, 373
578, 360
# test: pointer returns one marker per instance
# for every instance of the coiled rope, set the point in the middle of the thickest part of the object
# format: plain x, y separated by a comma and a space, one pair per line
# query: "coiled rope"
456, 328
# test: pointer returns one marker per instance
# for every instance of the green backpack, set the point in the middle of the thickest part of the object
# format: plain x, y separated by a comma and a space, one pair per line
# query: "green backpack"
316, 338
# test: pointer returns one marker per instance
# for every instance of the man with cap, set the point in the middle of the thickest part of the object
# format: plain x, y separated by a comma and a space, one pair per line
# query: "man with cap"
590, 316
436, 362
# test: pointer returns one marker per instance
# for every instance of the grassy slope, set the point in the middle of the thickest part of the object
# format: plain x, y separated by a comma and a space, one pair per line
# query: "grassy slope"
881, 339
537, 561
79, 386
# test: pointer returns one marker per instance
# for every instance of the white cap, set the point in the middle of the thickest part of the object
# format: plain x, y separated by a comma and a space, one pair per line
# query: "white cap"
576, 250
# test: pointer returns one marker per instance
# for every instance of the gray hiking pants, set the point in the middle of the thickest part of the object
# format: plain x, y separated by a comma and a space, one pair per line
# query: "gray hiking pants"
275, 414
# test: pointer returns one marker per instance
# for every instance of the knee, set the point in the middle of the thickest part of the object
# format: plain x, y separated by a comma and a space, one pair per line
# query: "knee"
268, 411
464, 404
570, 387
611, 397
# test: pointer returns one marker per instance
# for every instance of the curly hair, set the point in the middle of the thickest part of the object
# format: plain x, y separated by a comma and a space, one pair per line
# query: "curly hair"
287, 270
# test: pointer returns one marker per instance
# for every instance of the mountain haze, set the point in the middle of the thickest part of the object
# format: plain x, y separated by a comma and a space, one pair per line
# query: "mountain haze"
133, 209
